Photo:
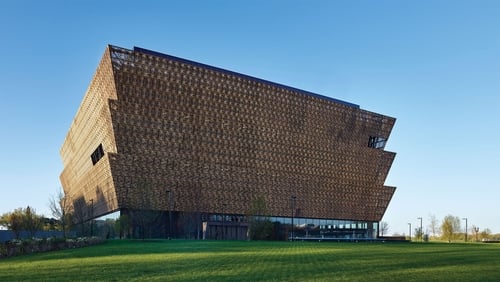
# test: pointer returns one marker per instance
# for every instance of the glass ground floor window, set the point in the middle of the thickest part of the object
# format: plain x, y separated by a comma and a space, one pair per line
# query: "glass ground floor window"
311, 228
328, 228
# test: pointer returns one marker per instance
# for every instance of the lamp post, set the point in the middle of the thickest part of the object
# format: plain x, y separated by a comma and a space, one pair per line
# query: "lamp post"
293, 201
169, 213
223, 222
421, 230
91, 217
465, 228
409, 227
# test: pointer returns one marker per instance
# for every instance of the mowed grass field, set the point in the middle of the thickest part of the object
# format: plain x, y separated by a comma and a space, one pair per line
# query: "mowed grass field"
178, 260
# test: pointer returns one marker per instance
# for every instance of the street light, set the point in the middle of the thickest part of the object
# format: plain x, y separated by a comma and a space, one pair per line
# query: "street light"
169, 213
294, 198
409, 227
223, 221
421, 230
465, 228
91, 217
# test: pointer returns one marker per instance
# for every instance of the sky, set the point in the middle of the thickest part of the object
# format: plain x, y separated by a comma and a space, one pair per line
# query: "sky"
433, 65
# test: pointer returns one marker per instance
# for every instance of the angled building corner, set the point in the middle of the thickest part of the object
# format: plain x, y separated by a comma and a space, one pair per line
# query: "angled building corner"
200, 144
89, 147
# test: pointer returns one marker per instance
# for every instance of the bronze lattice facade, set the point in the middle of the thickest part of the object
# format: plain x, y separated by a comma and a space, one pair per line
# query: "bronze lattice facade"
159, 127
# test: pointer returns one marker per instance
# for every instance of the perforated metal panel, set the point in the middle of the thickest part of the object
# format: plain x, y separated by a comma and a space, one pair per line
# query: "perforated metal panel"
213, 137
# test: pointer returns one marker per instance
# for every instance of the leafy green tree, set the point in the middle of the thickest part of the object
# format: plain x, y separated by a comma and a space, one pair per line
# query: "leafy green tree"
260, 227
450, 227
22, 219
107, 229
145, 217
31, 221
122, 226
13, 221
419, 234
485, 234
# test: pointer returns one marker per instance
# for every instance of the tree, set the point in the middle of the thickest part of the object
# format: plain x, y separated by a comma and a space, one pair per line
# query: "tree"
260, 227
384, 227
32, 221
433, 225
145, 217
475, 233
419, 234
60, 206
190, 219
22, 219
13, 221
107, 229
485, 234
79, 212
449, 227
122, 226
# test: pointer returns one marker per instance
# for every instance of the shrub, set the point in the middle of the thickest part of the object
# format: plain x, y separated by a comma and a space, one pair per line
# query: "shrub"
18, 247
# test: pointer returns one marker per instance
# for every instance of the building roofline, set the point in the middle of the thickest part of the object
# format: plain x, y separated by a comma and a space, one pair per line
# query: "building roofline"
158, 54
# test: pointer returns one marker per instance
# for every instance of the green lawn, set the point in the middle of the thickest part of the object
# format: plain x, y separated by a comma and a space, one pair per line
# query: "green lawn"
260, 261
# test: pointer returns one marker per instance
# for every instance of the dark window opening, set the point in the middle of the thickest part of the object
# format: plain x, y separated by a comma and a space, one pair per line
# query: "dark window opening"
377, 142
97, 154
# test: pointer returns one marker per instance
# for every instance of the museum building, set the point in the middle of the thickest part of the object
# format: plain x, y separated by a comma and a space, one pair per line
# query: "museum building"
189, 150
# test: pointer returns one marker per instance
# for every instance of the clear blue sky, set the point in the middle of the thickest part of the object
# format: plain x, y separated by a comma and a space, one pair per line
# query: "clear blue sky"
434, 65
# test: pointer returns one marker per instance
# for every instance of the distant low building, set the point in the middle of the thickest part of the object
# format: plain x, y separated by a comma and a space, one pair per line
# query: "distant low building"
183, 148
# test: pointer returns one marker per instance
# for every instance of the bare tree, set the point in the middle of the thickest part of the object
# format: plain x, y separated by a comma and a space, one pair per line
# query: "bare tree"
433, 225
60, 206
450, 226
384, 228
475, 232
80, 211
